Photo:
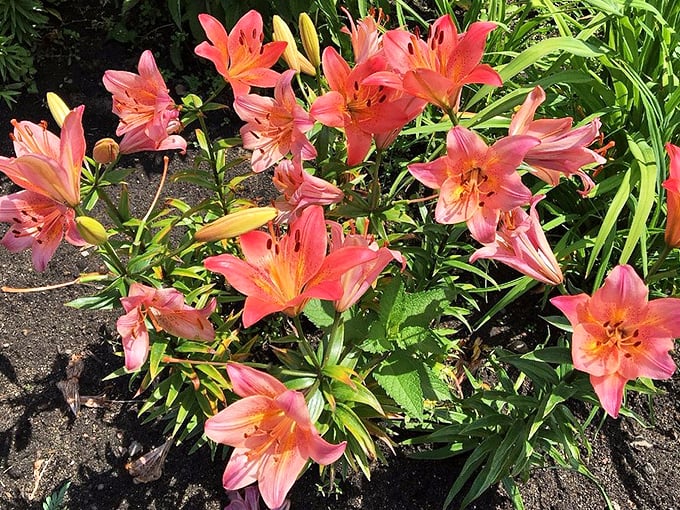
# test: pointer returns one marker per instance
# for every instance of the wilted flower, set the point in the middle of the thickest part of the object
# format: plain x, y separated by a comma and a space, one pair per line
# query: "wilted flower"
105, 151
619, 335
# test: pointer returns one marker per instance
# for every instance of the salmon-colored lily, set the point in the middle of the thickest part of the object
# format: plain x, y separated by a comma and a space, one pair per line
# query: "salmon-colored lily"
275, 127
437, 70
521, 244
562, 150
357, 280
672, 186
272, 434
476, 182
361, 110
167, 311
619, 335
283, 274
148, 115
365, 35
300, 189
48, 167
240, 57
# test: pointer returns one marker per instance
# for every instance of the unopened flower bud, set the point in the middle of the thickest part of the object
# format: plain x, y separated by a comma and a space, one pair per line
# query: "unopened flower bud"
91, 230
235, 224
58, 108
305, 65
105, 151
310, 39
283, 33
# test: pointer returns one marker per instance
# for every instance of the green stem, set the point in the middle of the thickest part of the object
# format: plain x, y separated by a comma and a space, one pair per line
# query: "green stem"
374, 190
213, 166
657, 265
333, 343
304, 344
106, 246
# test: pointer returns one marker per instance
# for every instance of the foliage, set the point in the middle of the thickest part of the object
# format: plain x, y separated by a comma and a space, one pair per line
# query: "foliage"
55, 501
405, 354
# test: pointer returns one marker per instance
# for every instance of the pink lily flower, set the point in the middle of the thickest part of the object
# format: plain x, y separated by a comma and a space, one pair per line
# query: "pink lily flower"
148, 115
365, 35
167, 311
437, 70
361, 110
48, 167
282, 275
562, 150
476, 183
250, 500
672, 186
300, 190
619, 335
275, 127
357, 280
521, 244
272, 434
240, 57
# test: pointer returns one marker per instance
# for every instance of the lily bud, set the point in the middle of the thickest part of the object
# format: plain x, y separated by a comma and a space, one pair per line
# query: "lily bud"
283, 33
310, 39
91, 230
305, 65
57, 107
235, 224
105, 151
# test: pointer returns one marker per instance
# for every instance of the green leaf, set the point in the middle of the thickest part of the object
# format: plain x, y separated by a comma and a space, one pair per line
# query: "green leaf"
156, 354
320, 313
399, 377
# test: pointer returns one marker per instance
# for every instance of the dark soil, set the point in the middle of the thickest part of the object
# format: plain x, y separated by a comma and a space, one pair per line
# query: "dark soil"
42, 445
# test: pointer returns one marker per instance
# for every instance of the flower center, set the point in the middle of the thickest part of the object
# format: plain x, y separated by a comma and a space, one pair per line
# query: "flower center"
625, 338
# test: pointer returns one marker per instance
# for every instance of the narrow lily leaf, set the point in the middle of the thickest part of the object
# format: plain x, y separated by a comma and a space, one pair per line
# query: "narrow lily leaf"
644, 156
155, 356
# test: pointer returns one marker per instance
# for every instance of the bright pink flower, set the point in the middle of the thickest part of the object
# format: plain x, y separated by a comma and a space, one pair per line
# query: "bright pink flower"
282, 275
521, 244
240, 57
476, 182
562, 150
275, 127
148, 115
300, 190
357, 280
619, 335
437, 70
672, 185
47, 164
48, 167
361, 110
365, 35
272, 434
167, 311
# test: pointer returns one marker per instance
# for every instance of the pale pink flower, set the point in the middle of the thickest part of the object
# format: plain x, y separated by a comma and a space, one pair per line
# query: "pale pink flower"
272, 435
357, 280
672, 187
275, 127
521, 244
283, 274
436, 70
476, 183
619, 335
48, 167
240, 57
300, 189
148, 115
167, 311
562, 150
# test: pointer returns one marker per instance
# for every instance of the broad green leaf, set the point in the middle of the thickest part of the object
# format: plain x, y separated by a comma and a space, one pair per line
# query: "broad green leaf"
399, 377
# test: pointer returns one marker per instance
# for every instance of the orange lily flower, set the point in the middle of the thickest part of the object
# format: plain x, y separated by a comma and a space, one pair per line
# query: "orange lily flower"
672, 186
240, 57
